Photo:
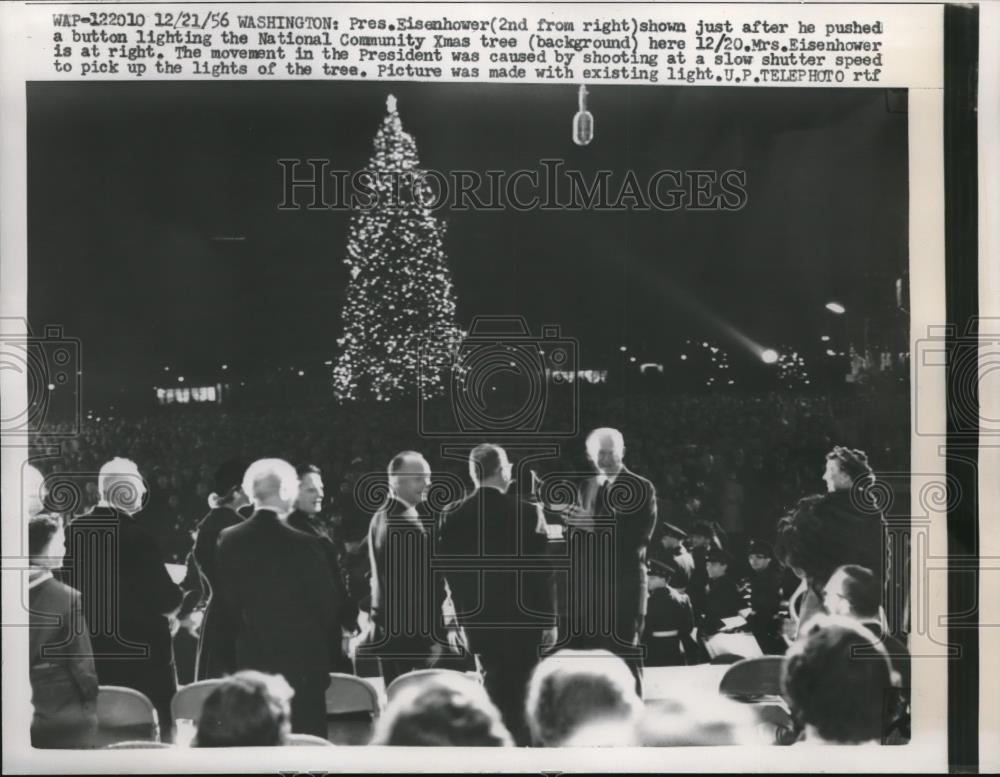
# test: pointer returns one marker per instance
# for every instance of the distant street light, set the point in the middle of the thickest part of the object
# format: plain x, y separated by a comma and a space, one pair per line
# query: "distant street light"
836, 307
769, 356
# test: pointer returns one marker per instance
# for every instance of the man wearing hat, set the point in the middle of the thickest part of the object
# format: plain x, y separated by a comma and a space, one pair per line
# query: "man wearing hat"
722, 597
669, 559
669, 609
764, 581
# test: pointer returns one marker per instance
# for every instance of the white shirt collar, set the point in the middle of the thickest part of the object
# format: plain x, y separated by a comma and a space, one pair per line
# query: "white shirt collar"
37, 576
603, 477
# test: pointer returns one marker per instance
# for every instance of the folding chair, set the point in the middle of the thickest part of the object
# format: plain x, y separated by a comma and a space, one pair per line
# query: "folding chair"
308, 740
189, 699
419, 675
124, 714
348, 694
753, 678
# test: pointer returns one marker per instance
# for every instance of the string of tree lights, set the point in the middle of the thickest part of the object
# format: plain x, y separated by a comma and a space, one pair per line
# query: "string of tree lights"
399, 326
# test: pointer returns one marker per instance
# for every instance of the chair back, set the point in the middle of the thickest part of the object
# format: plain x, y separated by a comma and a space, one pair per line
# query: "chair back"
419, 675
189, 699
308, 740
139, 745
753, 678
347, 693
124, 714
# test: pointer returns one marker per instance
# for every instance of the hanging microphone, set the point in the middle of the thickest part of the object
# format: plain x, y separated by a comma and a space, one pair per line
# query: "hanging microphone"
583, 122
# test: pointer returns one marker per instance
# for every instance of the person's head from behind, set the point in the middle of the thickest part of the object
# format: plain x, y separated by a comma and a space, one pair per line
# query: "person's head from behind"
442, 710
121, 486
46, 542
271, 484
805, 542
35, 491
853, 591
606, 450
249, 709
836, 678
310, 499
844, 467
573, 688
489, 466
409, 476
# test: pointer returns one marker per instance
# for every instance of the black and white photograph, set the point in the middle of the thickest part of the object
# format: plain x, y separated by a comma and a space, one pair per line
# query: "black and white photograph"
703, 304
377, 414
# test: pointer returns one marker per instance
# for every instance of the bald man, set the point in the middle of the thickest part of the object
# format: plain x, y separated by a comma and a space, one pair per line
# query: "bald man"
280, 595
405, 599
128, 597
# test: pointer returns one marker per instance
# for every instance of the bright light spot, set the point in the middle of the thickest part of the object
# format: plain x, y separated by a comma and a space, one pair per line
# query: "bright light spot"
704, 345
52, 387
301, 373
622, 348
732, 382
225, 366
632, 359
830, 352
825, 338
180, 378
166, 369
769, 356
684, 357
328, 362
835, 307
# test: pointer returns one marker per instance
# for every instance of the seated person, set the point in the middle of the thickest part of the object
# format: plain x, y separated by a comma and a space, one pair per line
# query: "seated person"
63, 678
668, 558
572, 689
702, 539
722, 598
669, 607
854, 592
836, 696
445, 710
249, 709
765, 585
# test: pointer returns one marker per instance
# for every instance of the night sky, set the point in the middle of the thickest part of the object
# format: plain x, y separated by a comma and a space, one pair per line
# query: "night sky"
129, 183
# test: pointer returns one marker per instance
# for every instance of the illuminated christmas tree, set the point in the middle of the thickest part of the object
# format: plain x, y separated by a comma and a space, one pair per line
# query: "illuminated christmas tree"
399, 312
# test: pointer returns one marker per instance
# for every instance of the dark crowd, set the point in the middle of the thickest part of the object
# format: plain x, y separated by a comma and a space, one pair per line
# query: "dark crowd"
736, 520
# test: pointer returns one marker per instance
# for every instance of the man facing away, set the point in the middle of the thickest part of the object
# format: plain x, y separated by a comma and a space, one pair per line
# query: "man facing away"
280, 595
128, 596
621, 504
496, 569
